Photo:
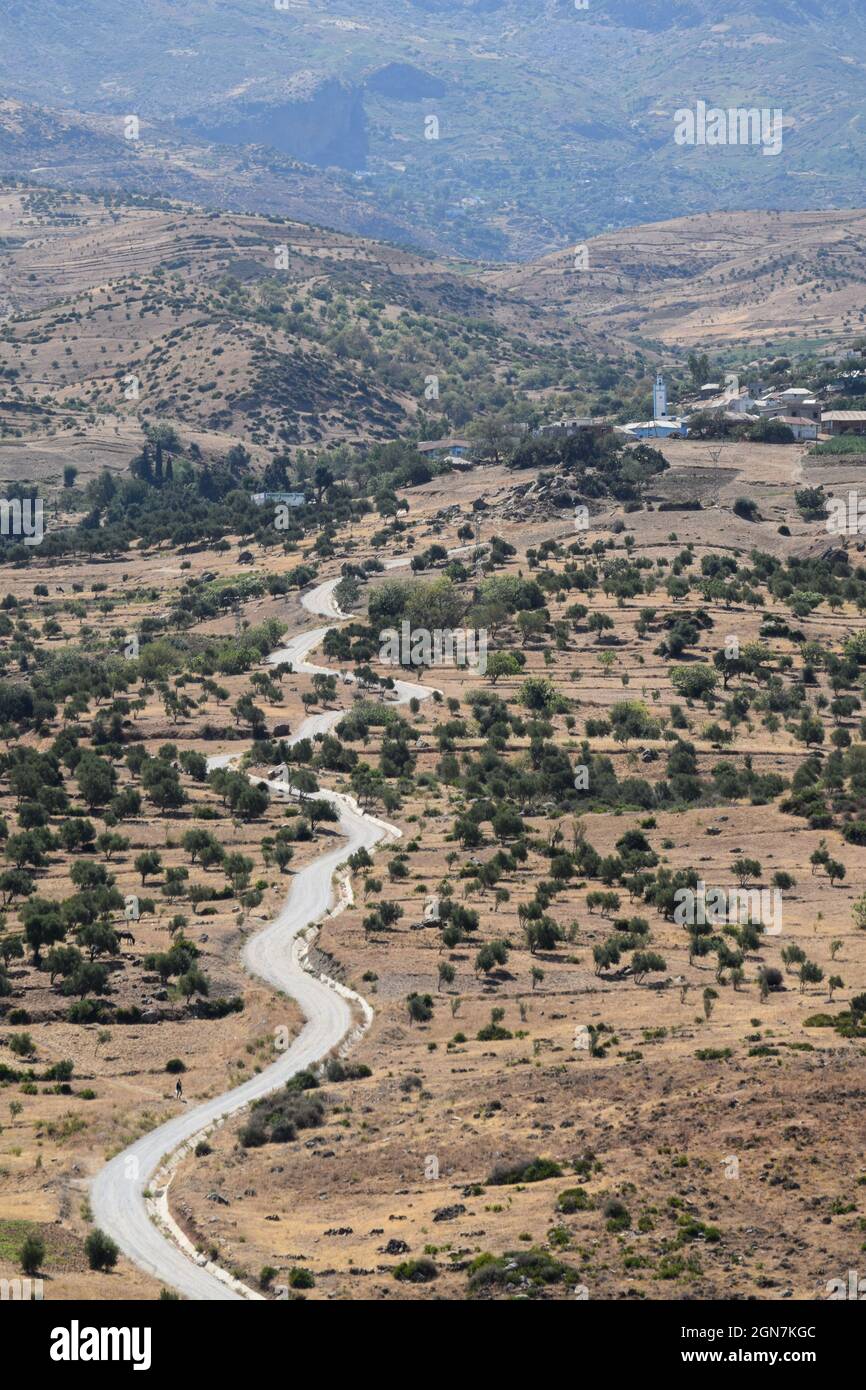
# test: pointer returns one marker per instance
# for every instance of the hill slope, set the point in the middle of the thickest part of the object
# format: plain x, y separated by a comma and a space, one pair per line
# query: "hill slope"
277, 333
725, 278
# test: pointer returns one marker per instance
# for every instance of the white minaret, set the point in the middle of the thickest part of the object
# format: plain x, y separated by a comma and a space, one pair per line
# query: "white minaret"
660, 399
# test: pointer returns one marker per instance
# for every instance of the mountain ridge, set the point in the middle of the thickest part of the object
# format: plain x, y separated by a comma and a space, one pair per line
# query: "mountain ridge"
554, 123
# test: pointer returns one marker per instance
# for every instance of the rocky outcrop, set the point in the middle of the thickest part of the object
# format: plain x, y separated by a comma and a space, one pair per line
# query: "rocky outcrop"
312, 118
404, 82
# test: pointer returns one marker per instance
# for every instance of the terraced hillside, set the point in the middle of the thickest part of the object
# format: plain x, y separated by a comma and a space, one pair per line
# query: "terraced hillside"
249, 328
730, 279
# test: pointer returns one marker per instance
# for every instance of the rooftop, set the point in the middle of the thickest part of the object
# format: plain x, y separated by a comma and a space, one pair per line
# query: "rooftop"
431, 446
578, 422
667, 422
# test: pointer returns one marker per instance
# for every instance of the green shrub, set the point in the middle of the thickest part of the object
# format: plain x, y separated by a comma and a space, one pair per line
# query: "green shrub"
302, 1081
532, 1170
32, 1253
87, 1011
420, 1271
337, 1070
520, 1267
573, 1199
617, 1215
130, 1015
100, 1250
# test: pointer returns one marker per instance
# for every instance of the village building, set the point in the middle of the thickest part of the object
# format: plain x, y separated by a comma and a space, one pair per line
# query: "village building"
444, 448
738, 402
287, 499
844, 422
790, 402
582, 424
800, 426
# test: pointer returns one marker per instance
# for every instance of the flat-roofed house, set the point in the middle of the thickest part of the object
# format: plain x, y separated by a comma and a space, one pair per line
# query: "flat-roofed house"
581, 424
671, 427
740, 402
288, 499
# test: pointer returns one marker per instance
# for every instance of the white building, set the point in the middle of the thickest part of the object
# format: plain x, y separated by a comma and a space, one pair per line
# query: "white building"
799, 425
579, 425
288, 499
796, 403
739, 402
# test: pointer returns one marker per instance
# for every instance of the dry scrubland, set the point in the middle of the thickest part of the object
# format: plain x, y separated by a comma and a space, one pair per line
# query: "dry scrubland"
753, 277
117, 315
51, 1141
338, 345
651, 1124
647, 1131
647, 1125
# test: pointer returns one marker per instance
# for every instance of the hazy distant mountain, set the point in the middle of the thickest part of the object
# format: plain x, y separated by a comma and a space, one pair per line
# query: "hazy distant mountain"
554, 122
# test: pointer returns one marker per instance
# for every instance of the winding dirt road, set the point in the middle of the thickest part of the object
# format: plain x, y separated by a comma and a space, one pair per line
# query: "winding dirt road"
129, 1195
